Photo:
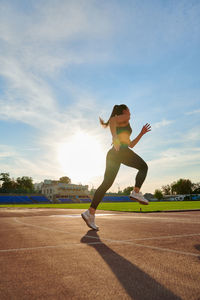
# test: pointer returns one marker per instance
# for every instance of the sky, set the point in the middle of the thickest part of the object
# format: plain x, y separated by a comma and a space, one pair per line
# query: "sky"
65, 63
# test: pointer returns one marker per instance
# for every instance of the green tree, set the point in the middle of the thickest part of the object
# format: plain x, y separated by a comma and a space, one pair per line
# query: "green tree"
196, 188
65, 179
120, 192
166, 189
128, 190
158, 194
24, 185
20, 185
8, 185
182, 186
5, 177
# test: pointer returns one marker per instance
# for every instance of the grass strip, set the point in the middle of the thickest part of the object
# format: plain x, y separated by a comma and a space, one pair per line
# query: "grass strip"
122, 206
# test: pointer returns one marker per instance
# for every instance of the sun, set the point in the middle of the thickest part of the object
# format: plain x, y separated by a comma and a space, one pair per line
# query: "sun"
82, 157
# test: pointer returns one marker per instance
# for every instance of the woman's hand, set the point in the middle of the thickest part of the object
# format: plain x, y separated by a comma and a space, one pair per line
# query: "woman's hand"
146, 128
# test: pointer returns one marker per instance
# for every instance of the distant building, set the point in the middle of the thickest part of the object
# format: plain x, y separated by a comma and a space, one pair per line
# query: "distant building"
150, 197
182, 197
174, 197
55, 190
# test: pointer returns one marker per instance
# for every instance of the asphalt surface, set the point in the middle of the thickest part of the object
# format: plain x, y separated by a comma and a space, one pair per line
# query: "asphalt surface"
52, 254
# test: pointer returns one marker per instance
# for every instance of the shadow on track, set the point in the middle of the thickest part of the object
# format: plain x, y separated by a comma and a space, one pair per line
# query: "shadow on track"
138, 284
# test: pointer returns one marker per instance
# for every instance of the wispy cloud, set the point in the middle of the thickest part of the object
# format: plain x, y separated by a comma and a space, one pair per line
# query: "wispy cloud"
55, 36
192, 135
194, 112
6, 152
177, 157
162, 123
37, 169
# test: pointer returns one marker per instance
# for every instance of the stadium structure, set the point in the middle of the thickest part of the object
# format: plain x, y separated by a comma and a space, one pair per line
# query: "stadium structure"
59, 192
11, 198
50, 191
53, 191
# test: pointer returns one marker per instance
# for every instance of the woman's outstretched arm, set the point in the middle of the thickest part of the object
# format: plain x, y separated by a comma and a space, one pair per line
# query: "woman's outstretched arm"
146, 128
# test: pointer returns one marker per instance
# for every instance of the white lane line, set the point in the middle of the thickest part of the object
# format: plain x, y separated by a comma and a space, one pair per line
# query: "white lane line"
98, 243
68, 232
46, 247
61, 231
170, 219
93, 237
184, 214
107, 240
41, 227
79, 216
164, 237
166, 249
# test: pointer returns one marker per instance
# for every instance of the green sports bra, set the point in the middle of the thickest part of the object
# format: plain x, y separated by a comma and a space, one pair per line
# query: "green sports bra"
123, 134
126, 128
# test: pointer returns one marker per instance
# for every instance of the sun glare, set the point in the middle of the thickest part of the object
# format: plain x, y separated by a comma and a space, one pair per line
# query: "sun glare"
81, 158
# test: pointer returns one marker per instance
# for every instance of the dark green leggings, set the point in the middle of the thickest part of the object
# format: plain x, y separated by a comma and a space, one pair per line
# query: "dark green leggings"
113, 160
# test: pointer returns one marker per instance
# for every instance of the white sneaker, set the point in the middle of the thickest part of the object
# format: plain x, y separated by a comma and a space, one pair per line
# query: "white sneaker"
139, 197
89, 219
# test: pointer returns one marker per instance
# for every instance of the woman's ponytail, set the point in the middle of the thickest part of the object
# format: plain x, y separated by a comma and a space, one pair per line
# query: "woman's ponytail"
104, 124
117, 110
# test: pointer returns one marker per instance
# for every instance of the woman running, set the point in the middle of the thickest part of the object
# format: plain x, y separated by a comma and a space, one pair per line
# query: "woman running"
120, 153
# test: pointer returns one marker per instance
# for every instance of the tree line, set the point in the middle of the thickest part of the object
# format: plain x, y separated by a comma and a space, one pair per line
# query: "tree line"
179, 187
21, 185
24, 185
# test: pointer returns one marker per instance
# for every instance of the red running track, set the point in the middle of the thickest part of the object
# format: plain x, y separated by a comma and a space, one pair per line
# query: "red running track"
52, 254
